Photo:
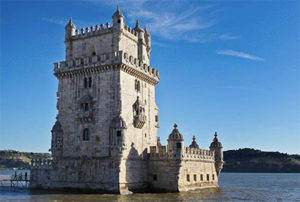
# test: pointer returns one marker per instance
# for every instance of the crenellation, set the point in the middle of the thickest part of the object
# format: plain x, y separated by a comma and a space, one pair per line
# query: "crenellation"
108, 59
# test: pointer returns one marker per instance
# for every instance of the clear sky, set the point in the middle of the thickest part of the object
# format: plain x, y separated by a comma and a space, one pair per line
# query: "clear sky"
226, 66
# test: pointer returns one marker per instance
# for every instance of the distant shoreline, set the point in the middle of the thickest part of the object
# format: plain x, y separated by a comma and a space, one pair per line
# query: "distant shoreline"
236, 161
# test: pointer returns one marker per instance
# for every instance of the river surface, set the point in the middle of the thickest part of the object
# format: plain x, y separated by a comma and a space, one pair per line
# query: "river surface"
233, 187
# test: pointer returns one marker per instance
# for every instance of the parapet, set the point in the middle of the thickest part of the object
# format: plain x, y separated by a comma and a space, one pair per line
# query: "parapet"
102, 63
102, 29
195, 153
92, 31
159, 153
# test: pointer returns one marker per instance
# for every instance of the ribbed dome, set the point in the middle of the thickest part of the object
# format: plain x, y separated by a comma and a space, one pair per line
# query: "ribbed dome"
118, 122
215, 142
175, 135
194, 143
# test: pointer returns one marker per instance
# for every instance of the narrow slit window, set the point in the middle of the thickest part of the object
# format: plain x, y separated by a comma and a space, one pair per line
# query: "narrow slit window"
201, 177
86, 107
195, 177
213, 177
86, 134
207, 177
90, 82
188, 178
85, 83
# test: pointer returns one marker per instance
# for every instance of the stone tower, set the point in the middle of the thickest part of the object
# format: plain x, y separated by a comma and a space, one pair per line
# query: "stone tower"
105, 135
106, 97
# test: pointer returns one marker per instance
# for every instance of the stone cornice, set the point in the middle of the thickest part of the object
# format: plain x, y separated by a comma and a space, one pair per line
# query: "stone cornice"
106, 68
138, 74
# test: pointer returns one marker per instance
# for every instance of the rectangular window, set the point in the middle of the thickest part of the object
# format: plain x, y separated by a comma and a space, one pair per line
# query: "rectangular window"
86, 107
156, 118
85, 83
207, 177
86, 134
118, 133
213, 177
195, 177
90, 82
155, 177
188, 178
201, 177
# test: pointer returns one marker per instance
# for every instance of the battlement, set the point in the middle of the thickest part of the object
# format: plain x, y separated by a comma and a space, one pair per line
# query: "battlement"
92, 31
41, 163
195, 153
129, 29
100, 30
188, 154
104, 60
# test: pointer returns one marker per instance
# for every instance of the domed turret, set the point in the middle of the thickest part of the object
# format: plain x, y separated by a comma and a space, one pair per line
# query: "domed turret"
194, 143
175, 143
216, 146
175, 135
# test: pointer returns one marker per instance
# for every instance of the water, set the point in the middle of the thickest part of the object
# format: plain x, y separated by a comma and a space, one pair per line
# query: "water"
233, 187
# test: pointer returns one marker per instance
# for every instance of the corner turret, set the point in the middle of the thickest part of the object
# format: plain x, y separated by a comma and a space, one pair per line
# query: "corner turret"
216, 146
175, 143
118, 19
194, 143
69, 30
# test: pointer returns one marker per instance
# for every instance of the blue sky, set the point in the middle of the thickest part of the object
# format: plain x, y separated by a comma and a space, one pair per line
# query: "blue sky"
226, 66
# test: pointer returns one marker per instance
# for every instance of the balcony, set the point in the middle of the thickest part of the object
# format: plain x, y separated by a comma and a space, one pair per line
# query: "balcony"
139, 120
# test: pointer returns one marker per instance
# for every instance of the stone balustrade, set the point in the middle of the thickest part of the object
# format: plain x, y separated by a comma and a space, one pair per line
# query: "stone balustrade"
41, 163
119, 57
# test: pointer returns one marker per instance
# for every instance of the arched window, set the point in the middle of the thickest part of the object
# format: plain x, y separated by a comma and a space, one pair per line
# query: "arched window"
178, 145
86, 134
137, 85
